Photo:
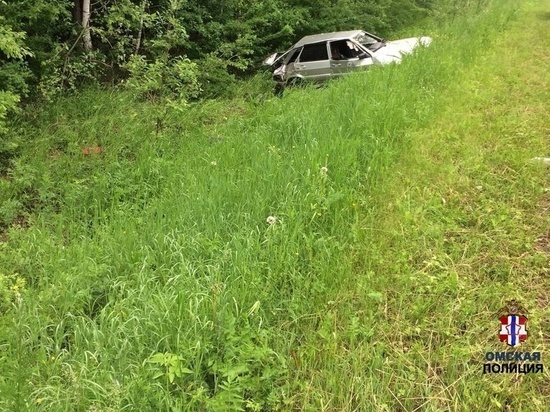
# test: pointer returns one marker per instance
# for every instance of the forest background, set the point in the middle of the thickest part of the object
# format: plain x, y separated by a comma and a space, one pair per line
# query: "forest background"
180, 49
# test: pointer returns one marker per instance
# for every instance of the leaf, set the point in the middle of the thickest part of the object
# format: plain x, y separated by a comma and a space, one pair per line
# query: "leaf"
232, 373
254, 308
157, 358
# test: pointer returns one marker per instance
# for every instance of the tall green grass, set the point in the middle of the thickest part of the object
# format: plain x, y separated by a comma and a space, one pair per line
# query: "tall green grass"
255, 255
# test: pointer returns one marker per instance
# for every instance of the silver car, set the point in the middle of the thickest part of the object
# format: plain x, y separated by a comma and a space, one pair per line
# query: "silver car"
324, 56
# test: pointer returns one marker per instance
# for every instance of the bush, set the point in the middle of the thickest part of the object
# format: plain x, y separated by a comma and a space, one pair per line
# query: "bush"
173, 79
70, 73
12, 74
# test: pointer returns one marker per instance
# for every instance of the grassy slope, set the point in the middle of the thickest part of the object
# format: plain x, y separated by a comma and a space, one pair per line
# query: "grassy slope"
462, 227
377, 287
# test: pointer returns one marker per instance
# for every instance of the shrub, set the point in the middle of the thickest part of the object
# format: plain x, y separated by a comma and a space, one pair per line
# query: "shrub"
173, 79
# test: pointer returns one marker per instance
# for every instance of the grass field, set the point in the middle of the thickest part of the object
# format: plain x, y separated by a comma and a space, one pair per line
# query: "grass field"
344, 248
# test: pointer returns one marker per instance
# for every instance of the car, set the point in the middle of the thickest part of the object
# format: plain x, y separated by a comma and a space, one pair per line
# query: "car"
320, 57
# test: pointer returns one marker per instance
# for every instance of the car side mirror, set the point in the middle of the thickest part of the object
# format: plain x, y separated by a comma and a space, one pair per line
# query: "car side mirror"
363, 55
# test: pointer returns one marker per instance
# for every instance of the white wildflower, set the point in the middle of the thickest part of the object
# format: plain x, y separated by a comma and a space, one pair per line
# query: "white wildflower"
271, 220
214, 163
324, 170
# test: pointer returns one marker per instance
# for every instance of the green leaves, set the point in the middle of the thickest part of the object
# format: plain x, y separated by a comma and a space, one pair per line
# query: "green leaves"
12, 46
171, 366
11, 43
174, 79
8, 102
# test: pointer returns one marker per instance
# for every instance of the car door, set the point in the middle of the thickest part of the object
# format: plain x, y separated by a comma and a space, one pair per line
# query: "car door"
338, 58
313, 62
288, 69
346, 56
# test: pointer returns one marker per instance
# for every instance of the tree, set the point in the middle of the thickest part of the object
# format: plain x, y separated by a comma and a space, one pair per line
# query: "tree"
12, 82
86, 36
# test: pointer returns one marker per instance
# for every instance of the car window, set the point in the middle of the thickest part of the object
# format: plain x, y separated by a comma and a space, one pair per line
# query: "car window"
344, 49
314, 52
294, 55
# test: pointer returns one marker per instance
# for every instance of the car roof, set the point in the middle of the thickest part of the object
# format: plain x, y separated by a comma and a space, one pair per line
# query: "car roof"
337, 35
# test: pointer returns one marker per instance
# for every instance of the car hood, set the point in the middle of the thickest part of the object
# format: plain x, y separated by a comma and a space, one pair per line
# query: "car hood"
394, 50
272, 59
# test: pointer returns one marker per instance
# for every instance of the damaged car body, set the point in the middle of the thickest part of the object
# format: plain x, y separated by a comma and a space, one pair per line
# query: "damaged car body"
324, 56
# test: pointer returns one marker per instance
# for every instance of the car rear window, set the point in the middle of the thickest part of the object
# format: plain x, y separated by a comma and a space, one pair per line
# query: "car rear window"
314, 52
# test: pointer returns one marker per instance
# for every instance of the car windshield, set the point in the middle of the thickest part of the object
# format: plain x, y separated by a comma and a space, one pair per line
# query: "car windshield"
369, 41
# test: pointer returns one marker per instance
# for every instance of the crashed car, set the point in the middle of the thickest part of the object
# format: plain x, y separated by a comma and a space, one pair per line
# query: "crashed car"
324, 56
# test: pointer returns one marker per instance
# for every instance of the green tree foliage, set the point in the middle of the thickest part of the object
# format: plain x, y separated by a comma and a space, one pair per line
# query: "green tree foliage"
13, 70
13, 76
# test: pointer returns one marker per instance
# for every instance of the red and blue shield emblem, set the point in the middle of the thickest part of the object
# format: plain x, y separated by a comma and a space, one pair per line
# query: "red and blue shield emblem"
513, 329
